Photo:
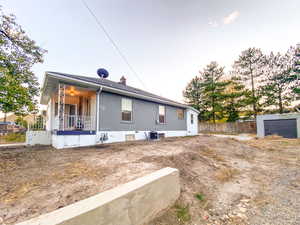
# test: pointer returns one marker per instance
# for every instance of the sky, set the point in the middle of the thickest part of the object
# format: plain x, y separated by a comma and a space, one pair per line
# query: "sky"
167, 42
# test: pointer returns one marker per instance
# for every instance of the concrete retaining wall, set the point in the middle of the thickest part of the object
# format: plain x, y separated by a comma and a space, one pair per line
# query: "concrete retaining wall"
38, 137
133, 203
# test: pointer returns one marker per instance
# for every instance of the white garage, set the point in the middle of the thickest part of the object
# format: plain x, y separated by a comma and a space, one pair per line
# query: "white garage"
285, 125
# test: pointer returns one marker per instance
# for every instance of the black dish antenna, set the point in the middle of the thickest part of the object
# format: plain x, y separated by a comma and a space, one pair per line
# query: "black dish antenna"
102, 73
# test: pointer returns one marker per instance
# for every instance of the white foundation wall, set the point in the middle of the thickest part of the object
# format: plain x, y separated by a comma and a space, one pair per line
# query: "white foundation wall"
70, 141
120, 136
38, 137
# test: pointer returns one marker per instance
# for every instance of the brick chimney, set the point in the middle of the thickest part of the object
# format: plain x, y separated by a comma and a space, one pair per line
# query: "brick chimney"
123, 80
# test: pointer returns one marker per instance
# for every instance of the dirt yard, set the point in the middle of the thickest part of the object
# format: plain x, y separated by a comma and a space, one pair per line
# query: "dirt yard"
223, 181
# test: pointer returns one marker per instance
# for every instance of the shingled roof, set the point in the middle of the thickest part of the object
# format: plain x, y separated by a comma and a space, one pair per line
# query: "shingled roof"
116, 85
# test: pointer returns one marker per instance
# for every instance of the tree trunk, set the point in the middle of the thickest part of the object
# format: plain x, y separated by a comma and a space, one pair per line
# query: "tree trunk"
5, 125
253, 94
280, 102
213, 100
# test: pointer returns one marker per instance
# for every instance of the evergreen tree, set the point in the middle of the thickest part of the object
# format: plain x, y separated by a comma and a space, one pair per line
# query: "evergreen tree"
277, 89
296, 74
250, 67
18, 53
193, 95
205, 92
237, 98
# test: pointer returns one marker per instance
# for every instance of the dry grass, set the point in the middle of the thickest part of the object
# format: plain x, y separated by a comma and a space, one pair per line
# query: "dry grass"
211, 153
261, 200
273, 143
226, 174
71, 171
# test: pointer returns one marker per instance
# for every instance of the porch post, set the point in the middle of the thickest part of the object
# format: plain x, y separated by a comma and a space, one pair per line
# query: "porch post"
61, 105
97, 110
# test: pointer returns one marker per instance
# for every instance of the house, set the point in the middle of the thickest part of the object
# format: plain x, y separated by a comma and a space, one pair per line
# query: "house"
83, 111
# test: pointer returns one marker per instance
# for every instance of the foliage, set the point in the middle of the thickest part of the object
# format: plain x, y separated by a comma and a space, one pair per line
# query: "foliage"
296, 70
183, 213
277, 89
250, 67
205, 92
21, 122
193, 94
15, 137
237, 99
18, 53
200, 197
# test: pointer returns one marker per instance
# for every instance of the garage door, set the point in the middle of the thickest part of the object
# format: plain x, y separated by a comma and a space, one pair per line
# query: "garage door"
286, 127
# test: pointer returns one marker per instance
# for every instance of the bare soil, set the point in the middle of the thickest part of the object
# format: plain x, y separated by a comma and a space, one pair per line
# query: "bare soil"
223, 181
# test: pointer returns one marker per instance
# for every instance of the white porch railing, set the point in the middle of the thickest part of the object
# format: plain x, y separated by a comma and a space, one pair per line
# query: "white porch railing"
75, 122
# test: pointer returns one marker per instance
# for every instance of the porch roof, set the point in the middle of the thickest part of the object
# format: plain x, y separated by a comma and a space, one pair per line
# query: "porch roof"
52, 79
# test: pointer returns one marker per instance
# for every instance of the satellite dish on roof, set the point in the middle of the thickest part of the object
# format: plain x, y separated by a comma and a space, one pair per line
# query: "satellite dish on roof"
102, 73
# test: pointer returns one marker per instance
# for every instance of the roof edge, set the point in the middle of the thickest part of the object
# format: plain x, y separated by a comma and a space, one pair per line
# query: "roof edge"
113, 90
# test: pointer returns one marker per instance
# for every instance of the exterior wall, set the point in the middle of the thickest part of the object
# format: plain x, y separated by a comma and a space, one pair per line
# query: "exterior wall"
260, 121
120, 136
144, 115
70, 141
136, 202
38, 137
192, 129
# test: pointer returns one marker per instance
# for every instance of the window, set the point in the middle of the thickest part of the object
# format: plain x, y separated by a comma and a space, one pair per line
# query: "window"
162, 114
192, 118
180, 114
126, 109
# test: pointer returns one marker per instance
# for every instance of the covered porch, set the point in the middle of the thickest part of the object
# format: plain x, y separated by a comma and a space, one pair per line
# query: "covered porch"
73, 110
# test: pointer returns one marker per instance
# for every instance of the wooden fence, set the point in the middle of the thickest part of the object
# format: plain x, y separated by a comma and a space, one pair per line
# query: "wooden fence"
230, 128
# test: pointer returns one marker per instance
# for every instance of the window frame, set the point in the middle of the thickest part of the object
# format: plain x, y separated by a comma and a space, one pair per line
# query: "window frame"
192, 118
131, 112
165, 120
177, 112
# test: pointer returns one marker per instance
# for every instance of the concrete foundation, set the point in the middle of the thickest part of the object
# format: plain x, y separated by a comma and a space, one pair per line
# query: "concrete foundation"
133, 203
38, 137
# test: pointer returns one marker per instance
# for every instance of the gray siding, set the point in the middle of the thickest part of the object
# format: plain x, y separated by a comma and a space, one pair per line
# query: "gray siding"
144, 115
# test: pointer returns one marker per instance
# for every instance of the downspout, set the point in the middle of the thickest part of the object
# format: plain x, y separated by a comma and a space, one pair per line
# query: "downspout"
98, 109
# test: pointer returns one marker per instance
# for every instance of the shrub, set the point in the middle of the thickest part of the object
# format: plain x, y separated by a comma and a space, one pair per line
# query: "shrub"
15, 137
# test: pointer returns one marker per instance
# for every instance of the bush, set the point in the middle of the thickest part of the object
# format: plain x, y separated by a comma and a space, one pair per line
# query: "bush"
15, 137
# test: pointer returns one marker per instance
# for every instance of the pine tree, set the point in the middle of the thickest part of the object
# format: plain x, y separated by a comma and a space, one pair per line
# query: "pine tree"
277, 89
237, 98
193, 95
205, 92
250, 67
296, 75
